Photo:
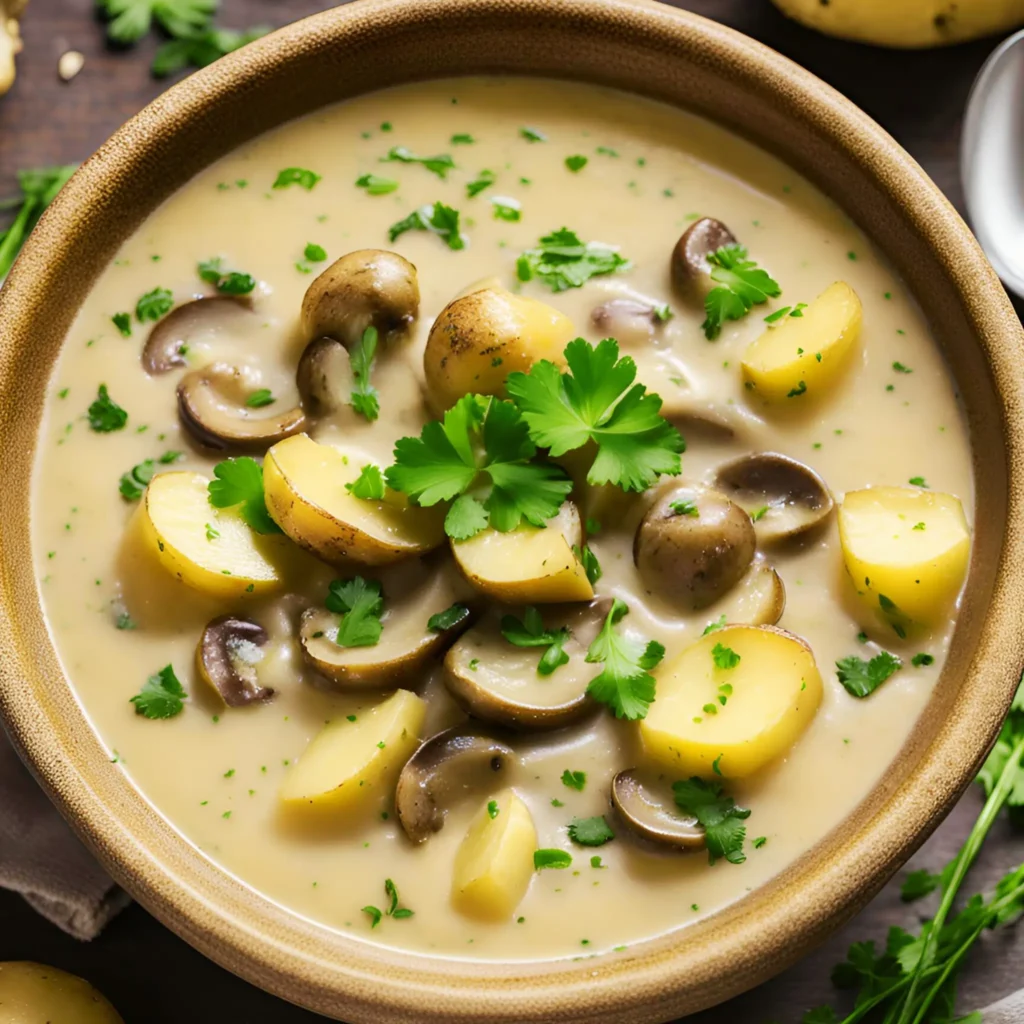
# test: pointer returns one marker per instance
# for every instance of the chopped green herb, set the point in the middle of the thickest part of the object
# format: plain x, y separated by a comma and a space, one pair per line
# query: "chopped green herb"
375, 915
587, 558
485, 179
922, 659
359, 603
551, 859
741, 285
574, 780
369, 485
759, 513
375, 185
462, 139
162, 695
451, 617
719, 816
123, 322
439, 165
685, 508
917, 481
713, 627
576, 163
492, 809
197, 48
562, 261
506, 208
105, 415
530, 632
724, 657
590, 831
442, 220
315, 253
533, 135
260, 398
365, 398
296, 176
800, 389
153, 305
861, 678
240, 482
900, 368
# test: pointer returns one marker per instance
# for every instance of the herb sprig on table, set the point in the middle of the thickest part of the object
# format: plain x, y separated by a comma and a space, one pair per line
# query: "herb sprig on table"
38, 188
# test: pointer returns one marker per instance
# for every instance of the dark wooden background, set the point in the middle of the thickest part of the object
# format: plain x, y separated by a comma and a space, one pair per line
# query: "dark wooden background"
151, 975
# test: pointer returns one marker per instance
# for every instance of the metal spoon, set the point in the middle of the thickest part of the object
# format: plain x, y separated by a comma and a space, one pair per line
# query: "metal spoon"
992, 160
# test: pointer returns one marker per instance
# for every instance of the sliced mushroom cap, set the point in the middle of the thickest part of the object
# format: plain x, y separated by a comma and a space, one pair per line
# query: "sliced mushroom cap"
759, 599
689, 264
170, 337
784, 497
650, 818
226, 658
368, 287
495, 681
697, 418
630, 321
693, 546
445, 767
322, 369
211, 406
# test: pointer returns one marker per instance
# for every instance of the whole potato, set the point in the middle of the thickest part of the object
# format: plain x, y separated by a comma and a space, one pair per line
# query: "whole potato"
37, 994
692, 546
480, 338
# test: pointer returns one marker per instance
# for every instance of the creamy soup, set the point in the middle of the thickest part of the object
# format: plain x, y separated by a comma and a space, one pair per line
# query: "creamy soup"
516, 851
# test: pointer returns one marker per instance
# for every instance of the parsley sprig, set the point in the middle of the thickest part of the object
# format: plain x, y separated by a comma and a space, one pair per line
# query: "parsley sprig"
530, 632
38, 188
480, 458
861, 678
597, 400
717, 814
239, 482
442, 220
625, 685
741, 284
562, 261
161, 696
359, 603
439, 165
365, 398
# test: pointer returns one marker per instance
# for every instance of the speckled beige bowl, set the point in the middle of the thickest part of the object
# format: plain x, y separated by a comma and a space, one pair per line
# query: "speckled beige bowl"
652, 50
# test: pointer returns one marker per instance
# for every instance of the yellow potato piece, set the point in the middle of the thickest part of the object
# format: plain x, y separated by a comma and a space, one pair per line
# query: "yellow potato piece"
227, 560
528, 565
480, 338
350, 763
304, 486
736, 719
803, 357
906, 551
494, 862
37, 994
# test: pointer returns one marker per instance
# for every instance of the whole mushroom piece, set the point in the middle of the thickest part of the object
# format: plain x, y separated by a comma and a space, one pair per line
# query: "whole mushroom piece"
322, 367
226, 658
365, 288
689, 264
693, 545
648, 818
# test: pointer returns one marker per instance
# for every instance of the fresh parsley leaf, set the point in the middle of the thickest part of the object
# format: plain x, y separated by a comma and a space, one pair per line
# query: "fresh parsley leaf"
485, 179
240, 482
451, 617
576, 163
161, 696
587, 558
374, 914
369, 485
591, 831
741, 285
130, 20
551, 859
562, 261
492, 809
227, 282
38, 187
359, 603
439, 165
134, 482
296, 176
375, 185
713, 627
483, 444
105, 415
724, 657
506, 208
900, 368
462, 139
442, 220
533, 135
260, 398
530, 632
314, 253
154, 305
918, 884
625, 684
717, 814
365, 398
198, 49
685, 508
123, 322
861, 678
574, 780
918, 481
597, 400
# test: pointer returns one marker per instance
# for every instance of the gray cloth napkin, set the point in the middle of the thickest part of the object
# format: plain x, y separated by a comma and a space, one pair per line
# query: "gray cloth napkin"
41, 858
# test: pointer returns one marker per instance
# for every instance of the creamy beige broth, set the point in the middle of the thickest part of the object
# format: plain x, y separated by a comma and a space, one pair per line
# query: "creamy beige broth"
215, 772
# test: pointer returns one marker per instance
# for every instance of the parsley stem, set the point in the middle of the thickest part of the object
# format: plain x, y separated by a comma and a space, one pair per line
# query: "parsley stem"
993, 805
15, 235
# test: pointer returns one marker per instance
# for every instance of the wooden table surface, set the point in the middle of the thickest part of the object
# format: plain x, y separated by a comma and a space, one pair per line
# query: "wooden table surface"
151, 975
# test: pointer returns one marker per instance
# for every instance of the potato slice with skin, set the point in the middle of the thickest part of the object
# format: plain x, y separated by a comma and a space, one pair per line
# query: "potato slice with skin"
173, 518
304, 484
906, 551
494, 862
736, 719
350, 763
37, 994
528, 565
480, 338
803, 357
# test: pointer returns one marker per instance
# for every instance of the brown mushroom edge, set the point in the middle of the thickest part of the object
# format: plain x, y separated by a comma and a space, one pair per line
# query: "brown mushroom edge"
170, 338
689, 262
648, 818
226, 659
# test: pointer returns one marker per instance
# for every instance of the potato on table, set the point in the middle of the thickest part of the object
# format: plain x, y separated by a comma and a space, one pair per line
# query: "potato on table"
733, 702
37, 994
494, 863
906, 551
802, 357
348, 764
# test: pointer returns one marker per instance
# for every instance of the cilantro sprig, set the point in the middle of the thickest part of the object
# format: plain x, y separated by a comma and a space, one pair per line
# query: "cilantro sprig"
717, 814
359, 603
161, 696
598, 400
442, 220
529, 631
439, 165
562, 261
861, 678
741, 284
239, 482
591, 831
625, 684
479, 458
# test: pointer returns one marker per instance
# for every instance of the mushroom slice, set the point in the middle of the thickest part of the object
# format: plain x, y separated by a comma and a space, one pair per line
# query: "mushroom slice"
445, 767
365, 288
649, 818
406, 645
495, 681
759, 599
211, 406
630, 321
226, 658
689, 264
170, 337
784, 497
322, 369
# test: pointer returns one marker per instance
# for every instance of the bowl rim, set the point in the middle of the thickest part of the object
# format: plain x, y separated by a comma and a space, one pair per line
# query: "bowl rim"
310, 965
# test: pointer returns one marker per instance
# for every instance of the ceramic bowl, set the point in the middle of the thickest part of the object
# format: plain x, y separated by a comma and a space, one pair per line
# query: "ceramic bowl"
661, 53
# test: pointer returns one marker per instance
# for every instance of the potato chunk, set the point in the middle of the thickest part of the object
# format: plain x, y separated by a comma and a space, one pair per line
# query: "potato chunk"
348, 764
480, 338
803, 357
906, 551
304, 485
37, 994
528, 565
736, 700
210, 549
494, 862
